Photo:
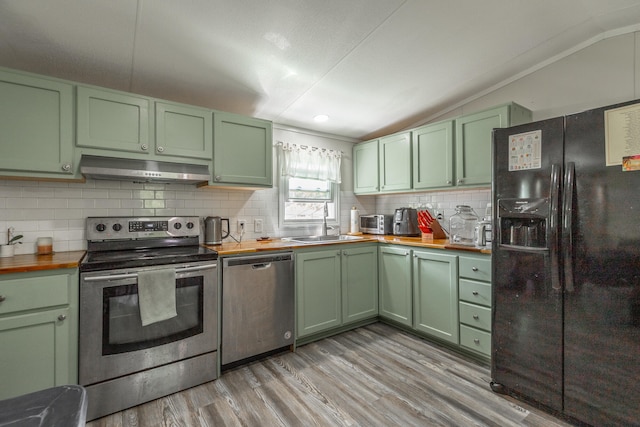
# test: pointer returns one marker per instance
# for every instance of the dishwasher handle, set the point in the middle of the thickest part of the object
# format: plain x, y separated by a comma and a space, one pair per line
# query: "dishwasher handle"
262, 266
257, 260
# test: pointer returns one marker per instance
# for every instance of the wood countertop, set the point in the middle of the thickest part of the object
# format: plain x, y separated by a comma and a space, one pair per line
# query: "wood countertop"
253, 246
33, 262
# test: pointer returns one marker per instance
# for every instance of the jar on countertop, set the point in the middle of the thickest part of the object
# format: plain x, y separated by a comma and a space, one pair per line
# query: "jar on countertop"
462, 226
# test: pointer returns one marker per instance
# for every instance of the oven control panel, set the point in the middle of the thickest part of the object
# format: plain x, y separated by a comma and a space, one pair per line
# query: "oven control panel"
115, 228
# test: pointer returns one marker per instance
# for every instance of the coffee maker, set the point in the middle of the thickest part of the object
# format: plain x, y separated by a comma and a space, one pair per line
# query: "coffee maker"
405, 222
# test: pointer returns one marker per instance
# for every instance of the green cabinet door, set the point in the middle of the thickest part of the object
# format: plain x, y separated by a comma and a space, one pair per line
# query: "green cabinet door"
35, 352
183, 131
435, 287
36, 127
242, 150
114, 121
395, 162
395, 284
433, 155
359, 282
365, 167
318, 292
474, 140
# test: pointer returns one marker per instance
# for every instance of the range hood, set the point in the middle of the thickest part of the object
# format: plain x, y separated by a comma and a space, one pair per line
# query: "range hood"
98, 167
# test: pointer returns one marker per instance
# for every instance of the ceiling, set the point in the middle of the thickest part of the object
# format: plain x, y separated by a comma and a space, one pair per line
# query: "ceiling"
373, 66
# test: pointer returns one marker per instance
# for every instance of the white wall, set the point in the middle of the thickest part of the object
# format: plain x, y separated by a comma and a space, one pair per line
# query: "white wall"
603, 73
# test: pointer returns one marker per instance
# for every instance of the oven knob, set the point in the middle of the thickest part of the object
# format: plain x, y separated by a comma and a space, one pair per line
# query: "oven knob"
117, 227
190, 225
177, 226
101, 227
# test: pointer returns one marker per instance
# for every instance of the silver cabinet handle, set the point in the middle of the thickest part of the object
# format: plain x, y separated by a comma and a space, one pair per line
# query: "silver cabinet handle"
476, 317
476, 340
218, 178
2, 298
460, 181
66, 167
448, 181
475, 293
144, 147
62, 317
474, 268
160, 149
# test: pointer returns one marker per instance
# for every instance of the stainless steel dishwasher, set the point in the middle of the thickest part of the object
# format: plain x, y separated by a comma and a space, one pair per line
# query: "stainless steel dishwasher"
257, 305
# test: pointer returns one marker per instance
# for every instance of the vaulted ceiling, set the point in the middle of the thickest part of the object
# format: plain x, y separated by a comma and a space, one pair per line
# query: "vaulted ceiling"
372, 66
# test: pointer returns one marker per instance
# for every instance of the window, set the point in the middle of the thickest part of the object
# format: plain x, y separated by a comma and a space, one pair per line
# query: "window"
306, 185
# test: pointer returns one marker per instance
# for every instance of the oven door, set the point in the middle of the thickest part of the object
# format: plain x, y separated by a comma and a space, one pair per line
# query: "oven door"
113, 341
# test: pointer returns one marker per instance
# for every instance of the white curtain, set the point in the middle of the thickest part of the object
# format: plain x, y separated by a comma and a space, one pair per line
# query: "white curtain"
310, 162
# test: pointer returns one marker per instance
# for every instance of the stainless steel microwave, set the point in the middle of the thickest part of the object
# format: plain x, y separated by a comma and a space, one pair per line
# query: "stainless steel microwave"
376, 224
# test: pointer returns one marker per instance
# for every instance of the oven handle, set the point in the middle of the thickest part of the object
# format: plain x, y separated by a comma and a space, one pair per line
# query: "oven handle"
135, 275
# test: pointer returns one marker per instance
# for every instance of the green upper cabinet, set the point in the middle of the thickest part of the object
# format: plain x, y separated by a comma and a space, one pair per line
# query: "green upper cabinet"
111, 123
242, 150
184, 131
433, 155
365, 167
395, 162
435, 299
359, 282
395, 284
114, 121
36, 127
474, 139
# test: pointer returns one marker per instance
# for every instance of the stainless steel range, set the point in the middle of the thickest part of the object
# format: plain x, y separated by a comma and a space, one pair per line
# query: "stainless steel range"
148, 301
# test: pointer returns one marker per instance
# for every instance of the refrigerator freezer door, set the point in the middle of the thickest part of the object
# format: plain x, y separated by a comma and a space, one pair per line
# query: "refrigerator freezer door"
602, 308
527, 303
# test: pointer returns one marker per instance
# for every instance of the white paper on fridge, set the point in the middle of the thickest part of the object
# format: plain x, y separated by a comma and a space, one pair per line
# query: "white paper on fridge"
525, 151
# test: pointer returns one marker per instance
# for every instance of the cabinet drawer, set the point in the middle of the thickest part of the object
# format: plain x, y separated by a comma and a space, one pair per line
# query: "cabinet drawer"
475, 292
33, 293
476, 340
475, 268
476, 316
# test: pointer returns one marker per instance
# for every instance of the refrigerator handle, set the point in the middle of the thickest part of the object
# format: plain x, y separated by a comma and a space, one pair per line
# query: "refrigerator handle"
553, 227
567, 225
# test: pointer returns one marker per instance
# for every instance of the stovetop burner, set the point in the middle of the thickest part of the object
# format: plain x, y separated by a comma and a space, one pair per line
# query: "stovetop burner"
111, 260
126, 242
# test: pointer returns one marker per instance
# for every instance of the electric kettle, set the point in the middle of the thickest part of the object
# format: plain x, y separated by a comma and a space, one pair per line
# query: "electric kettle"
213, 230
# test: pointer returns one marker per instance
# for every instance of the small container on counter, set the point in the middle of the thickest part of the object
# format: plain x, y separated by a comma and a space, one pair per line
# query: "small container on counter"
44, 245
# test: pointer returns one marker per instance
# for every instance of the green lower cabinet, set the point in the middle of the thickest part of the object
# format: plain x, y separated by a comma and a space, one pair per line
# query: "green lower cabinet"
38, 331
475, 303
35, 349
359, 283
395, 284
36, 127
435, 294
335, 287
318, 291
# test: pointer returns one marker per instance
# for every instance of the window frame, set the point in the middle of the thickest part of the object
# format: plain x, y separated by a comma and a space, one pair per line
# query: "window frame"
290, 224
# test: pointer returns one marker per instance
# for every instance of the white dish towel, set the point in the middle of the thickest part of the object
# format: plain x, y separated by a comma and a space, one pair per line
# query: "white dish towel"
157, 295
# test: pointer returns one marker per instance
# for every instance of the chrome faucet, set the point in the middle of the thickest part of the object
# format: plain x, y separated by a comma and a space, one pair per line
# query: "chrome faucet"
324, 219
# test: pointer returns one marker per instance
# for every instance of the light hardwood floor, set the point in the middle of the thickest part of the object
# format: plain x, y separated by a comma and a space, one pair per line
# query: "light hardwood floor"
372, 376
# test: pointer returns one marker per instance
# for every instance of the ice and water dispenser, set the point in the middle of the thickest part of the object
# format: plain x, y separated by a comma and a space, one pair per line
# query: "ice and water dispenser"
523, 222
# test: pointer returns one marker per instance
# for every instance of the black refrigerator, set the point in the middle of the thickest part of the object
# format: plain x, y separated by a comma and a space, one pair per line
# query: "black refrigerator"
566, 264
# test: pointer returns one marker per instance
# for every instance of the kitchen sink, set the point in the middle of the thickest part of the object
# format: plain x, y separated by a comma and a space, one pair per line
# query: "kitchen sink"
324, 239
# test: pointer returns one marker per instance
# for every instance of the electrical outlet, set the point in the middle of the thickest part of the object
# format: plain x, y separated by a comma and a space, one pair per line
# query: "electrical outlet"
257, 225
242, 226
